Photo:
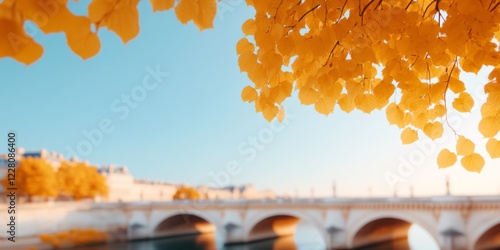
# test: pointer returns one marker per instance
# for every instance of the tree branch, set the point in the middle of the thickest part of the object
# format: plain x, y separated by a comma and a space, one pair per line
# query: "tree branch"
341, 12
409, 3
455, 62
300, 19
364, 9
331, 53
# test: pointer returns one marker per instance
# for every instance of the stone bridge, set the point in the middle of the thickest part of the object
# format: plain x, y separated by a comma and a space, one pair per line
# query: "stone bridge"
344, 223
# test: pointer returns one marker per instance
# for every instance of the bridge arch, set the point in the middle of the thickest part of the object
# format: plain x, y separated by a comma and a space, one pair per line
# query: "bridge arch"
183, 223
280, 223
377, 227
487, 236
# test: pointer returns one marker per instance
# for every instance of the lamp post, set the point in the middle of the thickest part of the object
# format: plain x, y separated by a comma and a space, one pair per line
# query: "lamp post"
334, 189
448, 193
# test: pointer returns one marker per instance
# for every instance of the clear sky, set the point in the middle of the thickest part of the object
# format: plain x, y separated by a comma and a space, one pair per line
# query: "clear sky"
193, 127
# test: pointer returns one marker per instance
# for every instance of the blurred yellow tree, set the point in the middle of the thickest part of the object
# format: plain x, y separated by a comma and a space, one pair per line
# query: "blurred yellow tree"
35, 177
186, 193
357, 54
79, 180
74, 237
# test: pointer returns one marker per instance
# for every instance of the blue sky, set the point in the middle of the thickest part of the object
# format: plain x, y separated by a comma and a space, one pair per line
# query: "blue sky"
193, 124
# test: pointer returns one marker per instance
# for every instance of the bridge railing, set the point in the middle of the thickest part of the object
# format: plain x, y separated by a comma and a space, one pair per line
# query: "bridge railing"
242, 202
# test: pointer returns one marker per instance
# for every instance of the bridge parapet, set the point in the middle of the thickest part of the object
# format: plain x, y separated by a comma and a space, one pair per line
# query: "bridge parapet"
463, 221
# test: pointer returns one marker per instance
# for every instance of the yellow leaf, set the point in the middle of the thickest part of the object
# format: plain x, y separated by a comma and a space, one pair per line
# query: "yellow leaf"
470, 65
456, 85
249, 94
186, 10
384, 90
436, 91
283, 90
15, 43
247, 62
409, 136
365, 103
249, 27
58, 18
244, 46
269, 112
162, 5
206, 14
308, 96
83, 42
473, 162
50, 17
120, 16
493, 87
488, 126
281, 113
325, 105
98, 9
433, 130
346, 103
201, 12
489, 109
395, 115
464, 102
493, 148
420, 120
446, 158
439, 110
464, 146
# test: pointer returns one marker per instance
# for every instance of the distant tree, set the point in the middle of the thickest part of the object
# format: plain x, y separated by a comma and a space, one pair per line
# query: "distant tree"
34, 177
79, 180
186, 193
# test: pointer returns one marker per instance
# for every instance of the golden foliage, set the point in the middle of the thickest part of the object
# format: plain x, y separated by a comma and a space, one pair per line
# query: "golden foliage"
446, 158
249, 94
119, 16
79, 180
409, 136
201, 12
74, 237
493, 147
465, 146
374, 49
356, 54
186, 193
473, 162
35, 177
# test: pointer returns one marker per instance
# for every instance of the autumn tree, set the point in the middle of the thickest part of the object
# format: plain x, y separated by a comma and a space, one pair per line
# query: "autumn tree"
404, 56
35, 177
79, 180
186, 193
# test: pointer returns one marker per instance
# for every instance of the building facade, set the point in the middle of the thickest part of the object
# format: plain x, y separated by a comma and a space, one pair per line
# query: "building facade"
123, 187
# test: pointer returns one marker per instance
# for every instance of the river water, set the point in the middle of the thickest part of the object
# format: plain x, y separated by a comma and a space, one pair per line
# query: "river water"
305, 238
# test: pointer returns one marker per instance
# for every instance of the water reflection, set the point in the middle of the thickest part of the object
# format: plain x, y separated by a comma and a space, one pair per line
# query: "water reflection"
400, 244
301, 241
200, 242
